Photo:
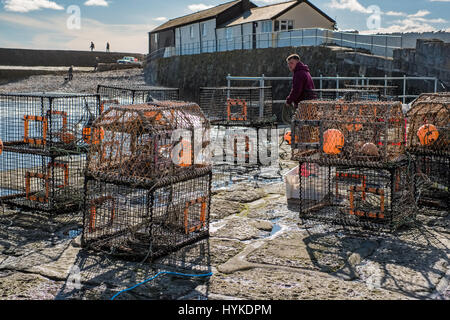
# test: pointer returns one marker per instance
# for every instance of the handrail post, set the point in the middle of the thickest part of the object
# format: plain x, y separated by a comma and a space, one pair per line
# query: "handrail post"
385, 85
385, 48
228, 85
261, 97
435, 84
337, 85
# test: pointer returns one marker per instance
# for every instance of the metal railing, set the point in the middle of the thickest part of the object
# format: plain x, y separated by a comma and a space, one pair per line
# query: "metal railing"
381, 45
386, 83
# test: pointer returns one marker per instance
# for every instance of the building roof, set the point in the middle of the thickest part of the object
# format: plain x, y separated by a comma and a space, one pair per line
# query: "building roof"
271, 12
197, 16
261, 13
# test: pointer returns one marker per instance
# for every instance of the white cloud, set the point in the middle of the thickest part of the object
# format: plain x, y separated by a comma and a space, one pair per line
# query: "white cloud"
420, 13
30, 5
352, 5
199, 7
439, 0
410, 24
396, 14
100, 3
160, 19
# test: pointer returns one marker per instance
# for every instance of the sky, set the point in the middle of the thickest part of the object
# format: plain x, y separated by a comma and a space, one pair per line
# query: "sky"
73, 24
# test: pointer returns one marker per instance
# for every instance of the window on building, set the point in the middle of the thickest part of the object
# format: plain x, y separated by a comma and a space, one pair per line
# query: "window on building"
191, 31
203, 28
229, 33
290, 24
155, 37
284, 25
267, 26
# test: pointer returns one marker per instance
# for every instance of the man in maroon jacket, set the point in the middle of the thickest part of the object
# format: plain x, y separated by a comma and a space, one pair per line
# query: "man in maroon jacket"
302, 83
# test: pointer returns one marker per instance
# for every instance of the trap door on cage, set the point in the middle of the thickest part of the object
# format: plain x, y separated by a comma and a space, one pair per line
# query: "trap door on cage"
36, 178
13, 172
363, 192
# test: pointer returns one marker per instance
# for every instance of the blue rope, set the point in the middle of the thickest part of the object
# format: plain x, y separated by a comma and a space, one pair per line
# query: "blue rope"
160, 273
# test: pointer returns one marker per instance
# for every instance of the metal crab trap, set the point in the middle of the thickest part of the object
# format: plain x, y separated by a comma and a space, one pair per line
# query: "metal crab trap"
44, 139
349, 133
48, 121
42, 182
374, 198
428, 141
345, 94
358, 147
238, 106
138, 94
244, 130
147, 188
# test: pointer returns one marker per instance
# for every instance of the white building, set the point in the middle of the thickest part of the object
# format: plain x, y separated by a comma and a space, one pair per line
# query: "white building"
237, 24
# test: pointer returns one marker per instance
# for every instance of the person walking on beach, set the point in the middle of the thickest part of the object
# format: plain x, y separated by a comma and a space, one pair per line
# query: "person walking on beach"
92, 46
107, 47
302, 84
70, 73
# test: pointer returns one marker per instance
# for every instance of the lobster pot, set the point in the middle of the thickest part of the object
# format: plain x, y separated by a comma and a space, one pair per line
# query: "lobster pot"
123, 95
433, 181
345, 133
42, 182
377, 198
237, 105
146, 221
150, 141
47, 120
345, 94
428, 124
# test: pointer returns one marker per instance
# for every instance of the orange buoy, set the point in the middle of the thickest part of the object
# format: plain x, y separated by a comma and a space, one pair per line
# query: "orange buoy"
1, 146
67, 137
184, 156
288, 137
427, 134
333, 141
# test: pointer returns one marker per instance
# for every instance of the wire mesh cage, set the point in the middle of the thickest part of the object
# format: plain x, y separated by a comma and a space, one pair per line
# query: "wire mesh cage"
126, 95
428, 124
147, 194
432, 180
345, 94
149, 141
42, 182
385, 91
345, 133
146, 223
249, 106
375, 198
246, 146
46, 120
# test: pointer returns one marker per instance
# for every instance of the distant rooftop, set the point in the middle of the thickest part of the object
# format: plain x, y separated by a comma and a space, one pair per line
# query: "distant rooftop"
197, 16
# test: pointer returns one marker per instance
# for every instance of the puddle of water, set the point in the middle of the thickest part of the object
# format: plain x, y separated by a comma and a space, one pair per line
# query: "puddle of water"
7, 192
276, 227
75, 233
